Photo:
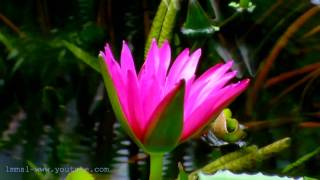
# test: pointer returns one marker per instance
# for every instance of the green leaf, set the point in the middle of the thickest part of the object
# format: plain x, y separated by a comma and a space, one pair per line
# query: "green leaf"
113, 97
218, 163
227, 128
79, 174
301, 160
82, 55
197, 22
6, 41
182, 174
165, 129
163, 23
227, 175
244, 159
38, 174
17, 65
242, 5
308, 178
50, 99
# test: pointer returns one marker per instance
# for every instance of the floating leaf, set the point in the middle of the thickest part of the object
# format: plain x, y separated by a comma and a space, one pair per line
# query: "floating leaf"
227, 175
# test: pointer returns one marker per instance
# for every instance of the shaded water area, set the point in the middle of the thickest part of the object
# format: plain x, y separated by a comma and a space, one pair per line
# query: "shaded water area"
55, 114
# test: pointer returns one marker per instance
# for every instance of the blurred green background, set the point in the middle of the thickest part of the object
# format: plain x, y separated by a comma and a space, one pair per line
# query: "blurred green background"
53, 107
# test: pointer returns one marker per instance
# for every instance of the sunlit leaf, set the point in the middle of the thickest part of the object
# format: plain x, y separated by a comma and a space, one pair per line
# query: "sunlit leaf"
79, 174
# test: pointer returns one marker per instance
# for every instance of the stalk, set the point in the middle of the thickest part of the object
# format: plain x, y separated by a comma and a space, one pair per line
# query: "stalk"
156, 166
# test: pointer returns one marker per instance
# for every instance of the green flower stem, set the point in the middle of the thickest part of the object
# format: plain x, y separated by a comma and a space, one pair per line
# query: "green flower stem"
244, 3
156, 166
232, 17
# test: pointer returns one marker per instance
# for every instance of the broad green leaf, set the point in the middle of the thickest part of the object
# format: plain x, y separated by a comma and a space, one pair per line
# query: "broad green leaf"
227, 175
163, 23
79, 174
82, 55
197, 22
113, 97
165, 129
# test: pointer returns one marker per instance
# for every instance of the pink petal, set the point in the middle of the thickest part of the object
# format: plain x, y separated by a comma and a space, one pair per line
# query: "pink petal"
190, 66
211, 107
153, 94
213, 74
135, 109
108, 57
176, 68
149, 82
114, 71
205, 90
150, 66
217, 70
152, 61
210, 81
165, 58
189, 85
151, 77
126, 59
116, 75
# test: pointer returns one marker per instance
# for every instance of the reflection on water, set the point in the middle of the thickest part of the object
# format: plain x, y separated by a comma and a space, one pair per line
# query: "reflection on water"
316, 2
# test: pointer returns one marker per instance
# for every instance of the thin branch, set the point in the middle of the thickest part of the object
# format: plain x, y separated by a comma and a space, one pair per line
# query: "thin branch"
269, 61
315, 73
12, 26
287, 75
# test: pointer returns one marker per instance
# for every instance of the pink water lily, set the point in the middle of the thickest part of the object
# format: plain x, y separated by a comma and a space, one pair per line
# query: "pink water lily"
143, 96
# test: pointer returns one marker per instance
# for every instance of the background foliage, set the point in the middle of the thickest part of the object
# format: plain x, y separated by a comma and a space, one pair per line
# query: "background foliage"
54, 111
